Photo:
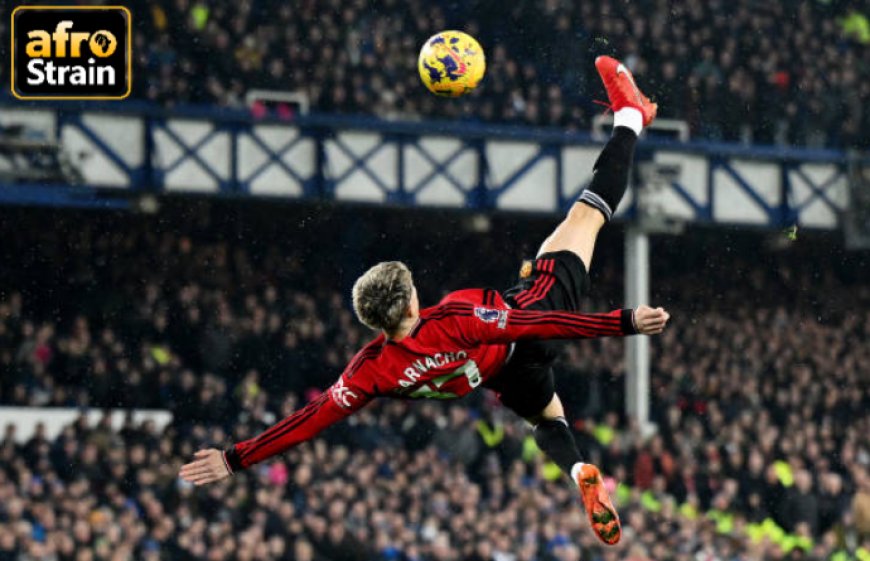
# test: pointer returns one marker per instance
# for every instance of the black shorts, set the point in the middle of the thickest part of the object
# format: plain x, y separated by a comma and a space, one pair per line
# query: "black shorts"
553, 281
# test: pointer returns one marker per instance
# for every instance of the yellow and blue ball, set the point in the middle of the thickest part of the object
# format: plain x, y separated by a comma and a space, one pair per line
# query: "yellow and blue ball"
451, 63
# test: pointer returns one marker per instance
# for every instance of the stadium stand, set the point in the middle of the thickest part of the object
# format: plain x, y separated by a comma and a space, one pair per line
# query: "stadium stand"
776, 72
227, 316
780, 72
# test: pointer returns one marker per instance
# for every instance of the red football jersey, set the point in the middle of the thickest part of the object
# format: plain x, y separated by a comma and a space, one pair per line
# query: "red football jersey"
455, 347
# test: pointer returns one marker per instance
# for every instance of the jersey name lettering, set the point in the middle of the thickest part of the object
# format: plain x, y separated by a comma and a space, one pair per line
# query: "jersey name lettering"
419, 367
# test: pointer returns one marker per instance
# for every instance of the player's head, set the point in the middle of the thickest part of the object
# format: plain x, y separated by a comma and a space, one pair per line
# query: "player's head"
385, 295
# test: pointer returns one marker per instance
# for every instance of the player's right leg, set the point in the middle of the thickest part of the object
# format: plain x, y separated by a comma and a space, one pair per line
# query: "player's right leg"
632, 111
557, 280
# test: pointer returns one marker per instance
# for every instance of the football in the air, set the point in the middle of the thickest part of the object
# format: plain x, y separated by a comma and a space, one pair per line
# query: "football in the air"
451, 63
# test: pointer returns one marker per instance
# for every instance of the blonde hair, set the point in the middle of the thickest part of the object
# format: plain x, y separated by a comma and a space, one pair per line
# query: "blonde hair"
381, 296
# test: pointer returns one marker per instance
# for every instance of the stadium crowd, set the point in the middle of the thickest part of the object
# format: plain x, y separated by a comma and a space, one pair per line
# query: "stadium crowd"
763, 72
759, 394
790, 72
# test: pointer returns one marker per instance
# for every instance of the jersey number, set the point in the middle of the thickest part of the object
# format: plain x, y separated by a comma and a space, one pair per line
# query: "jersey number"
469, 370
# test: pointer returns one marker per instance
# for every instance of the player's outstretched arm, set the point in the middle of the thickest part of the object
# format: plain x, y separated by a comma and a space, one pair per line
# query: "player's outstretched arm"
331, 406
485, 325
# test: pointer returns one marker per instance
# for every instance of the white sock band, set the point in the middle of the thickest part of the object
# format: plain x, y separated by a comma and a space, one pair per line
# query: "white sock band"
629, 117
575, 470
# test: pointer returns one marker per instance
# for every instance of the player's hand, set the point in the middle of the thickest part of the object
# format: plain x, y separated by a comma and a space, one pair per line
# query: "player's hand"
650, 321
208, 467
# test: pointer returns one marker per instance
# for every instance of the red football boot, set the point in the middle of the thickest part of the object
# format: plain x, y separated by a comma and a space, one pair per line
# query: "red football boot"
602, 515
622, 90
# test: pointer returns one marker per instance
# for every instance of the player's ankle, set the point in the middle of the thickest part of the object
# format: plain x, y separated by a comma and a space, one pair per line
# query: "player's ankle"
630, 118
575, 470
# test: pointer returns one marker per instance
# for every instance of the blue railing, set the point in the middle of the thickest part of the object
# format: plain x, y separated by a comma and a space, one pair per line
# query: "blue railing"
132, 147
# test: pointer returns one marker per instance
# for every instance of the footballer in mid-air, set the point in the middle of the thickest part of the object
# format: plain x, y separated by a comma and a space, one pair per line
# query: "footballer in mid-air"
501, 340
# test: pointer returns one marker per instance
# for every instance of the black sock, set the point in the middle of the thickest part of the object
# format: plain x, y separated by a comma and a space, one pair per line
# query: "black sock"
611, 172
556, 441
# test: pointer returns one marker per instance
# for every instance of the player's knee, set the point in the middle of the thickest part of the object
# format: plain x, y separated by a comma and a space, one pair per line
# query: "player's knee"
553, 410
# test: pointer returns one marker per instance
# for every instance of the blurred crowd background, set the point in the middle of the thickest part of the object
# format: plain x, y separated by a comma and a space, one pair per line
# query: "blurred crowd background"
229, 317
788, 72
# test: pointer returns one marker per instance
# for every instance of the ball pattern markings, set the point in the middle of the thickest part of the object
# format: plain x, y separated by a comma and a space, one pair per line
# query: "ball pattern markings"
451, 63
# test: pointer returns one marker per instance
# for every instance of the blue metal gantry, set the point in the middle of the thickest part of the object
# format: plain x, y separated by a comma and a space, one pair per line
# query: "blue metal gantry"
133, 148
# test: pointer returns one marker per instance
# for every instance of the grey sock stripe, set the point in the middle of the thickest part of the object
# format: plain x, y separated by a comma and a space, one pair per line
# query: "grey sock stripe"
593, 199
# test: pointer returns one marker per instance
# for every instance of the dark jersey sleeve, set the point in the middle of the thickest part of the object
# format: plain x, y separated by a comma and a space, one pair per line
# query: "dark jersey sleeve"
347, 395
480, 325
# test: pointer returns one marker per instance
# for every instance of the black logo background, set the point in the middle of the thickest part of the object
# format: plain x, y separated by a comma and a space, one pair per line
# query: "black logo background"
88, 20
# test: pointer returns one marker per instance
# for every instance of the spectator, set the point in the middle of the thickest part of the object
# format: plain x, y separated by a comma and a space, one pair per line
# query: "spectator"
861, 503
801, 504
736, 71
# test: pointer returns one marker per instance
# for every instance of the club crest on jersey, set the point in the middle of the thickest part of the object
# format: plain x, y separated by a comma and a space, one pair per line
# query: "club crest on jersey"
342, 395
526, 269
488, 315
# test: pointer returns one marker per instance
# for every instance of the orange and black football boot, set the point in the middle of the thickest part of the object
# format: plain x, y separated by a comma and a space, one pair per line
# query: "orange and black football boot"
601, 512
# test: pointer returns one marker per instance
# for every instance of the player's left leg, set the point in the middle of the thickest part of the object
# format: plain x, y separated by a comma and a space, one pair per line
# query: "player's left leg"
632, 111
554, 438
526, 385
